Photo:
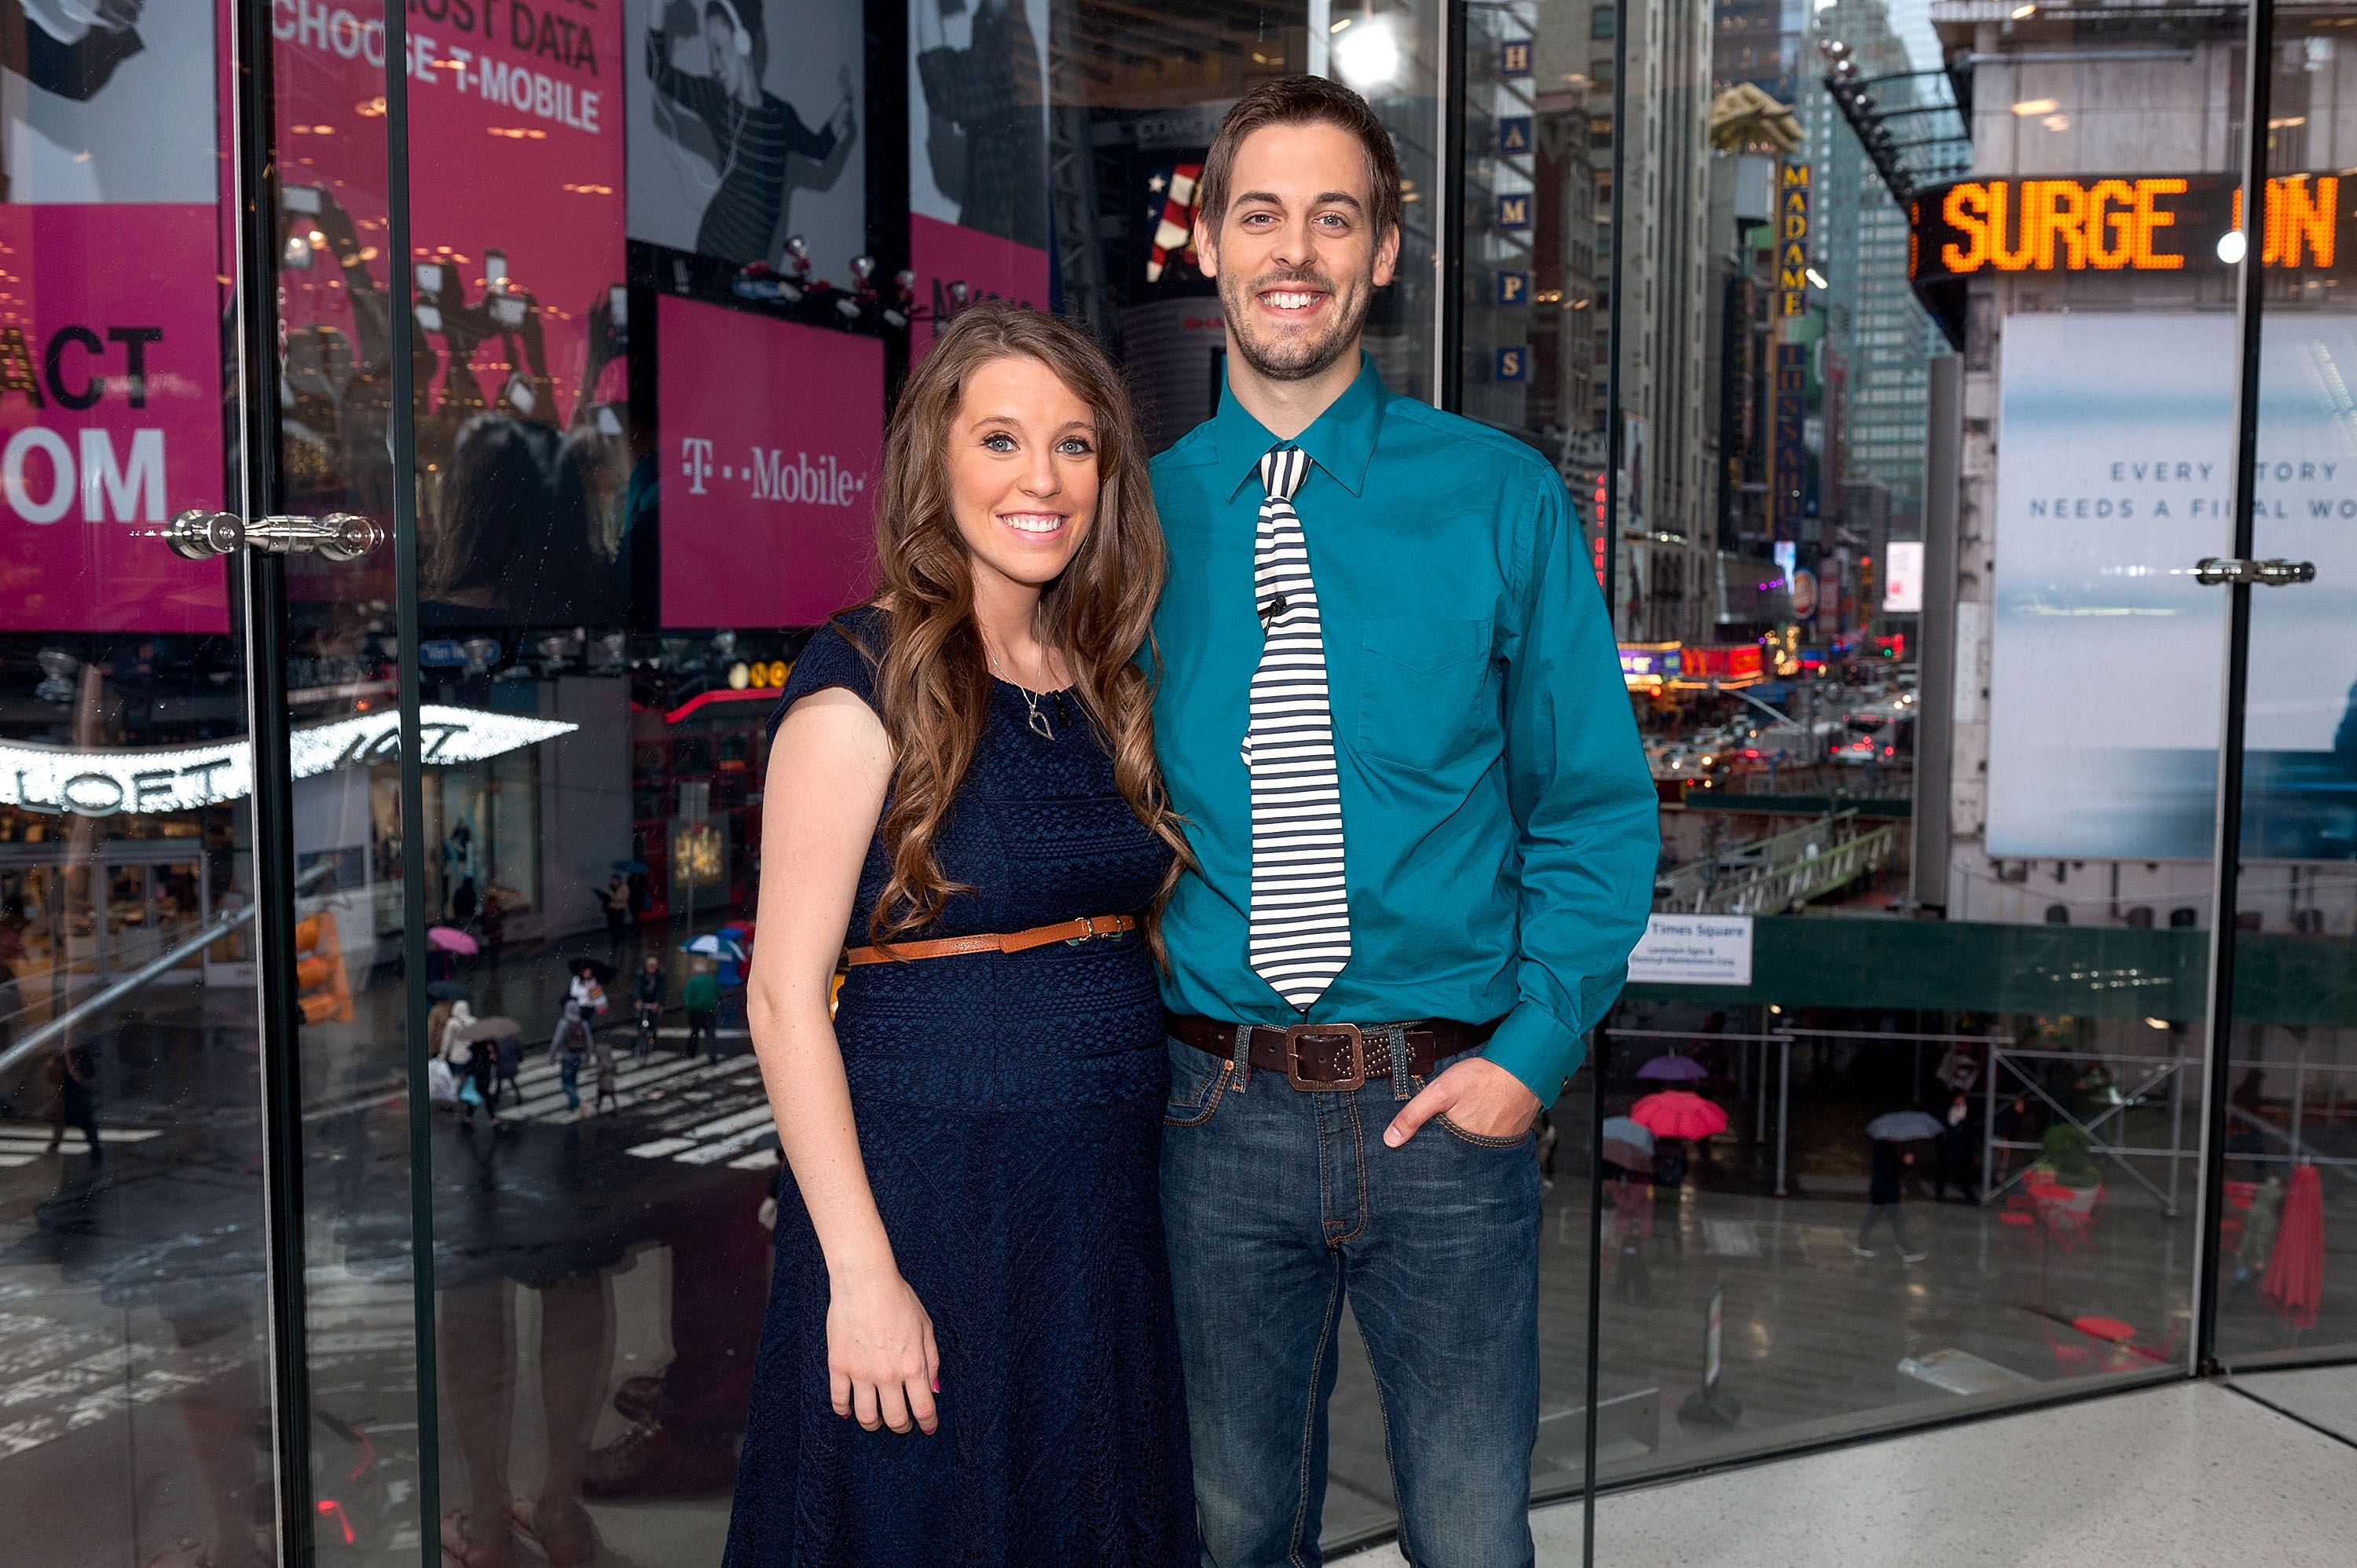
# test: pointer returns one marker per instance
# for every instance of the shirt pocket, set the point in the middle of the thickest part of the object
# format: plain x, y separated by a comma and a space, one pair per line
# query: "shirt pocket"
1425, 694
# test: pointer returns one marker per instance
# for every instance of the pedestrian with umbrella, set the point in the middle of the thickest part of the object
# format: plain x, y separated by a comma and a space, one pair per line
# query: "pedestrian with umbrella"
498, 1042
1673, 1115
1885, 1177
445, 945
1627, 1144
1627, 1147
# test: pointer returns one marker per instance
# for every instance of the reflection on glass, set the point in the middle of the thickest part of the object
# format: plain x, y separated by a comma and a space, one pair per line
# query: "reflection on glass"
1914, 442
2291, 1158
132, 1342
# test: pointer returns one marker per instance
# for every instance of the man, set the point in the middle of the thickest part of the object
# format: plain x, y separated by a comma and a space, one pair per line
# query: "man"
1390, 708
702, 999
648, 994
752, 130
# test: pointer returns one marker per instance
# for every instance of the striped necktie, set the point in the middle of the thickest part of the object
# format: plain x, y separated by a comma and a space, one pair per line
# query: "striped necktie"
1300, 936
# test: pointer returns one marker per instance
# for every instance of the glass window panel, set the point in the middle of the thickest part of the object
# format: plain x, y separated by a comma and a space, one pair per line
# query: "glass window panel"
2291, 1158
1928, 836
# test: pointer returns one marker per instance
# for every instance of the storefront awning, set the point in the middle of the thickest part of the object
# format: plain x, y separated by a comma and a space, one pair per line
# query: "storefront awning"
146, 781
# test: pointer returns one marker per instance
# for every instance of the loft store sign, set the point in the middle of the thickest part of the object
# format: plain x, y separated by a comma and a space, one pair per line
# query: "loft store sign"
56, 780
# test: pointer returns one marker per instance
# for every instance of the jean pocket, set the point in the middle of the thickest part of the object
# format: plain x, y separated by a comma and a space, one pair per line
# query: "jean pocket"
1522, 1139
1198, 1080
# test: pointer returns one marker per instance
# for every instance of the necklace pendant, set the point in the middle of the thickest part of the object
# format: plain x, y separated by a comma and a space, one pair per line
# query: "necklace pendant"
1039, 725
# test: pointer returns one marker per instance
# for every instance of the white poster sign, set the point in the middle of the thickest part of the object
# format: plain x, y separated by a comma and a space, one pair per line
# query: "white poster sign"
2114, 477
1693, 949
1902, 576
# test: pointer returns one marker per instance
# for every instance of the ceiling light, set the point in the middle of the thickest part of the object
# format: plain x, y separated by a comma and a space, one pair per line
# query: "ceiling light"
1342, 24
2030, 108
1368, 57
1817, 279
2023, 13
2232, 246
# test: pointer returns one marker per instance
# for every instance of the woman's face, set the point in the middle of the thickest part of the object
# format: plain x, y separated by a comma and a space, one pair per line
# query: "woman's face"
1022, 471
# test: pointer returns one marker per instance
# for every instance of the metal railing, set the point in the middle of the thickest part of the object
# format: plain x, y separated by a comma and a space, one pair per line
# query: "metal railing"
1781, 872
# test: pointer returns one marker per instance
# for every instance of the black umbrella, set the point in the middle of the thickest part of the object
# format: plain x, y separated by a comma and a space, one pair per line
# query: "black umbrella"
448, 990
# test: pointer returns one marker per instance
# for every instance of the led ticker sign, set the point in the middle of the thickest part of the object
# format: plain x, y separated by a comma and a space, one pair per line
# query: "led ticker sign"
1976, 228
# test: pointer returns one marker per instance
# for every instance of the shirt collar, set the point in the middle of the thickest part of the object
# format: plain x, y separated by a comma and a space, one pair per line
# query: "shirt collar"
1342, 440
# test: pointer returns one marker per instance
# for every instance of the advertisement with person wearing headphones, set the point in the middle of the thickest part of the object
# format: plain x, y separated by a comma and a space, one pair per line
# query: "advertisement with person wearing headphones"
741, 140
977, 156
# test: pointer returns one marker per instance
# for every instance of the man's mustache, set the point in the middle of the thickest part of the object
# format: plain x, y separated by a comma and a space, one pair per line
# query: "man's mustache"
1310, 276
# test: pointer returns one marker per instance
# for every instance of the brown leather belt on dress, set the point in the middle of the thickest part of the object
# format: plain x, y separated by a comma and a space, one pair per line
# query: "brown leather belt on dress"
1331, 1058
1088, 928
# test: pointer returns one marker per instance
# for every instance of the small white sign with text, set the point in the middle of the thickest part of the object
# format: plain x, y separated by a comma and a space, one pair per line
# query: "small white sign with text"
1694, 950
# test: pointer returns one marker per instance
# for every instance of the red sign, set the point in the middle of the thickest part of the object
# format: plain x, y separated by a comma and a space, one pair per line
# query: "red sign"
772, 437
110, 415
955, 265
515, 147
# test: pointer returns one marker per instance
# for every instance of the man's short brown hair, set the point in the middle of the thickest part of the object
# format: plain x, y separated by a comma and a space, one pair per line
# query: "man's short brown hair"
1304, 100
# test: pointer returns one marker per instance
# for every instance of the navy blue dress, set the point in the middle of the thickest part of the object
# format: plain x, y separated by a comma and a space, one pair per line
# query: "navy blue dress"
1009, 1109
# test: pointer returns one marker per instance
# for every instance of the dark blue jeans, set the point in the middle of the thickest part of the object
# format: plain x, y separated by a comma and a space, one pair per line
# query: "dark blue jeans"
1282, 1205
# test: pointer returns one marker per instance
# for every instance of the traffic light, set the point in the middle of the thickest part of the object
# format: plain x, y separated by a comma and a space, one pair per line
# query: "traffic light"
322, 989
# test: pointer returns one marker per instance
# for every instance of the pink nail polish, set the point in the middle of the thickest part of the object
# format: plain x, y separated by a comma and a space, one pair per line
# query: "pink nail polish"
937, 1385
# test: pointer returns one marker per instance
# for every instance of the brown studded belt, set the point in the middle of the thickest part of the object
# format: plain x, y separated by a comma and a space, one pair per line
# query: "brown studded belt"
1331, 1058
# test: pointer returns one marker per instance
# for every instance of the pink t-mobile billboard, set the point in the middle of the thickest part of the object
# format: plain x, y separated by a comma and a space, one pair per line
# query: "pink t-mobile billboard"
772, 437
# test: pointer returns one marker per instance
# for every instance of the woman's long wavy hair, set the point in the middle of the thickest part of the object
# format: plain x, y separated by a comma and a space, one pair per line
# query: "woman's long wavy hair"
932, 682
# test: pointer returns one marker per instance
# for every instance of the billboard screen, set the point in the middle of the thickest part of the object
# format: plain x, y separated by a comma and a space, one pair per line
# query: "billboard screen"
772, 435
977, 155
745, 128
2114, 477
110, 319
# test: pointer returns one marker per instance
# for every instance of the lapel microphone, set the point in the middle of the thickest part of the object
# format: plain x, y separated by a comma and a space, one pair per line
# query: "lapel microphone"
1272, 609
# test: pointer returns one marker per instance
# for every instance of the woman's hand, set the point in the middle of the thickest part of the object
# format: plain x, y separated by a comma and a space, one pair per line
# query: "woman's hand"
882, 1365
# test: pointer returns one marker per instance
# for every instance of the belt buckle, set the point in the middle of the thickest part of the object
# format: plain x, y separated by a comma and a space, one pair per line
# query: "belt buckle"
1297, 1033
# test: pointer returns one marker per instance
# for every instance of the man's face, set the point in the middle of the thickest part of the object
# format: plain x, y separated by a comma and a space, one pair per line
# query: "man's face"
1295, 253
720, 48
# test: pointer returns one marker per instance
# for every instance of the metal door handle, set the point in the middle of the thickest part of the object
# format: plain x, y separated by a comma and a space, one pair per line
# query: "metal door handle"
2215, 570
338, 536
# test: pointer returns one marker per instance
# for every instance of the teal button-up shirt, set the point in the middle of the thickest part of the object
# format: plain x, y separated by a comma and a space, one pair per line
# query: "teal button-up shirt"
1498, 817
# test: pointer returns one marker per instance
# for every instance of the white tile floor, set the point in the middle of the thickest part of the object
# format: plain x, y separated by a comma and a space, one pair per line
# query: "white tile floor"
2191, 1474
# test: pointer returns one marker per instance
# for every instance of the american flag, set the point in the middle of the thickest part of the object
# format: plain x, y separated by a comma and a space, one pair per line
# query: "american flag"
1174, 235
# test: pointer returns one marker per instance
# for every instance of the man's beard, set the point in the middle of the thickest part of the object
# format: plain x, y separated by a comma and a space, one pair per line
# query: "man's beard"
1293, 360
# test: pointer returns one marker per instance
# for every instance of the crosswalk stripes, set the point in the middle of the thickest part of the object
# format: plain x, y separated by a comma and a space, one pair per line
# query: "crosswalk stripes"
61, 1373
704, 1113
23, 1146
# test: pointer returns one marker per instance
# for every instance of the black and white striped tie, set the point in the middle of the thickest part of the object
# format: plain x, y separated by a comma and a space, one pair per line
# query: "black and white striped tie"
1300, 907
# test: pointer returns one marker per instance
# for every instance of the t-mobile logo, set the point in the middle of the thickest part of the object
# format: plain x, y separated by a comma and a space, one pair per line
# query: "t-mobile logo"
696, 462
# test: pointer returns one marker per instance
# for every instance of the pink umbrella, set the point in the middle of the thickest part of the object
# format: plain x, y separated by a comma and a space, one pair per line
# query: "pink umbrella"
1675, 1113
450, 938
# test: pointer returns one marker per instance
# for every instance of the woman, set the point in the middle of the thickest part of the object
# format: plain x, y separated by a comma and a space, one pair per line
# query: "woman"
969, 1355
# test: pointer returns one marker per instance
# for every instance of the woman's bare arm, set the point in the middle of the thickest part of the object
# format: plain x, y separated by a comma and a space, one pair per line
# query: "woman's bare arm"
830, 767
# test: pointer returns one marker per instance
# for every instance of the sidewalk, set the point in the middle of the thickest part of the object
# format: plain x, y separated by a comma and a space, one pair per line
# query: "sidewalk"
2192, 1475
